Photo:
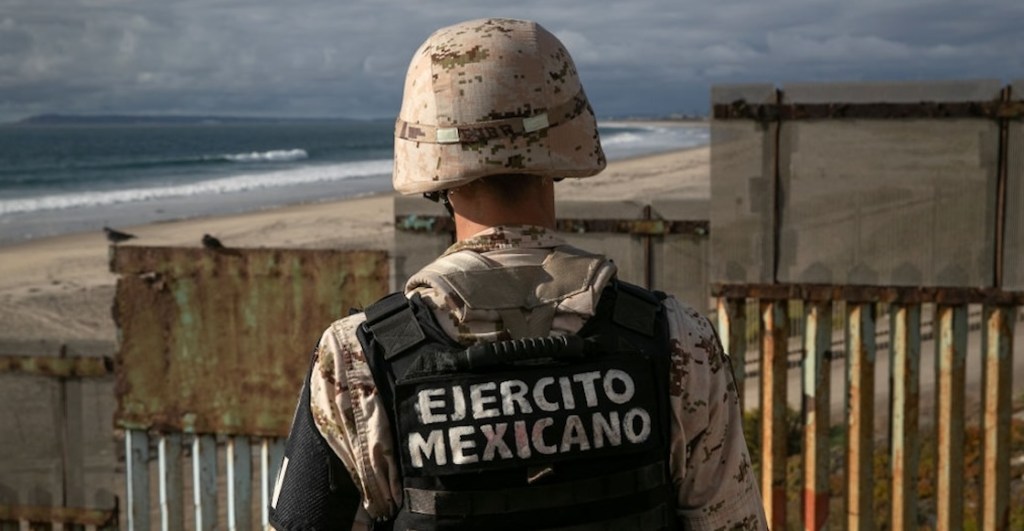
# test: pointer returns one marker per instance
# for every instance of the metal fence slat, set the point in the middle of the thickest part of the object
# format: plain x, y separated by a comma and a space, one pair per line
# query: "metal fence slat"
951, 360
997, 383
137, 469
204, 481
276, 457
732, 329
905, 356
860, 381
271, 455
266, 482
171, 482
817, 387
774, 352
239, 463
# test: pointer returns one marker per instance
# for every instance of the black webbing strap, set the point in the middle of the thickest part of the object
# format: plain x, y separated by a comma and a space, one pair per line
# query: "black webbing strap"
394, 324
446, 503
635, 309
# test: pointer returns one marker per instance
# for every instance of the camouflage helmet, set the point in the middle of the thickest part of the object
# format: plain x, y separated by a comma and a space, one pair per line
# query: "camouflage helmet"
492, 96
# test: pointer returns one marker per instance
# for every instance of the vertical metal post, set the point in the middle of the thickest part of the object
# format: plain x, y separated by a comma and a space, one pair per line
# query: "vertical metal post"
204, 481
171, 482
136, 457
774, 343
816, 389
271, 456
266, 480
860, 381
239, 462
951, 358
1002, 175
648, 246
997, 383
732, 330
905, 355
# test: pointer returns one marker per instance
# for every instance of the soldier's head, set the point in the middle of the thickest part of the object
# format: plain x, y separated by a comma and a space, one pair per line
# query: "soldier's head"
489, 102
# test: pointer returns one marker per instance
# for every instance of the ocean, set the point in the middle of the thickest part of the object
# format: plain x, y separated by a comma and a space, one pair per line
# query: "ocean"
58, 179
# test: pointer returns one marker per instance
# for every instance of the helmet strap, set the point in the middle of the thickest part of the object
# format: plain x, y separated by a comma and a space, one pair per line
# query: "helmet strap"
441, 196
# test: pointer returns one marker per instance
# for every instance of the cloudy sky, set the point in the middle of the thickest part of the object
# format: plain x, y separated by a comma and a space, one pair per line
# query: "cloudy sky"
327, 58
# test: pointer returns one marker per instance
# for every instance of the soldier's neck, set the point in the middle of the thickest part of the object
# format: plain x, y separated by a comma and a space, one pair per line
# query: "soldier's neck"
471, 219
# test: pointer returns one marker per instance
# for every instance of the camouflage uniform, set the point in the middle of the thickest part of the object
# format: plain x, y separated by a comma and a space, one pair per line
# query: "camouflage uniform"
711, 468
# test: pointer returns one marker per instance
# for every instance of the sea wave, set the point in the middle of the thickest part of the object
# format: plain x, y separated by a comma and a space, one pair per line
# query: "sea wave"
224, 185
623, 139
274, 155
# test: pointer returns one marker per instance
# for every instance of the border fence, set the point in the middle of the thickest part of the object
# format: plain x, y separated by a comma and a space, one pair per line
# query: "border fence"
215, 345
855, 235
900, 198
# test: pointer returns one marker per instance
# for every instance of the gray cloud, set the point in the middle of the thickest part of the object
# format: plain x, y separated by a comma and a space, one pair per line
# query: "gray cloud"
329, 58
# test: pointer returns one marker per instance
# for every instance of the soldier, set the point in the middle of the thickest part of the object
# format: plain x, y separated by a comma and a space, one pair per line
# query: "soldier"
516, 383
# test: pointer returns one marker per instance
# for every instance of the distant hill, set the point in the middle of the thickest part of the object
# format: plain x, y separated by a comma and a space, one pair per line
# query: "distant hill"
118, 119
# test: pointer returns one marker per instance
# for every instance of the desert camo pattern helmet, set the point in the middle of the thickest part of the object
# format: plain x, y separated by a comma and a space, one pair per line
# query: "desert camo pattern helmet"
492, 96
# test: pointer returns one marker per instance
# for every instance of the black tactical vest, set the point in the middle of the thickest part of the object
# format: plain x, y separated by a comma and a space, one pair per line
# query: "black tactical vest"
541, 433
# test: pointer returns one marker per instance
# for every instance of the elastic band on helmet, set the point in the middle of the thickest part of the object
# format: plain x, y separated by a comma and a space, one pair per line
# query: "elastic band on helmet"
484, 131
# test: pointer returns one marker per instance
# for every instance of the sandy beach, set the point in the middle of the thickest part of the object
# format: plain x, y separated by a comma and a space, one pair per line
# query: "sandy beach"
60, 289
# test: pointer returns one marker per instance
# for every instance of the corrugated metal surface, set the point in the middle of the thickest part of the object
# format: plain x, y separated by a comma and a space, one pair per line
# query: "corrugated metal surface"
913, 200
219, 341
742, 191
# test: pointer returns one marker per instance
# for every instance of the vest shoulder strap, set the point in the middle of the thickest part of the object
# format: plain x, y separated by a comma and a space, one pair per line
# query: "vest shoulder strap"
636, 308
394, 325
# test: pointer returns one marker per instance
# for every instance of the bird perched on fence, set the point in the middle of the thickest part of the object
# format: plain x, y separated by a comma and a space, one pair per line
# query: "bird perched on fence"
212, 243
115, 236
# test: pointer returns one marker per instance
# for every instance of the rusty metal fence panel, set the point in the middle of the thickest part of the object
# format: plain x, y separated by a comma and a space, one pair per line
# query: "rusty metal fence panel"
214, 348
56, 453
938, 358
900, 204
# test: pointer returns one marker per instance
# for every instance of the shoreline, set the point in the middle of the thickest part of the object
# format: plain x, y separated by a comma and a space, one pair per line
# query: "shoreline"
59, 288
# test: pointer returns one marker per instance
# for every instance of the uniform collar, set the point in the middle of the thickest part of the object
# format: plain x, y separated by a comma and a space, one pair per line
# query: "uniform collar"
508, 237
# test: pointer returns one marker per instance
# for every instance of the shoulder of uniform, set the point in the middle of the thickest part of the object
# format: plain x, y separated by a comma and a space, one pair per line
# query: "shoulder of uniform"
692, 333
347, 323
341, 335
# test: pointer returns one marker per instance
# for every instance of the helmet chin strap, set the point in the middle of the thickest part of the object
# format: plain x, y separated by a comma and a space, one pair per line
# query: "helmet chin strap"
441, 197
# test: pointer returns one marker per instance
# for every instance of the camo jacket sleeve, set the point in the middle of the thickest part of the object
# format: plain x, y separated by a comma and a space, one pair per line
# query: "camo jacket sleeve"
351, 416
712, 474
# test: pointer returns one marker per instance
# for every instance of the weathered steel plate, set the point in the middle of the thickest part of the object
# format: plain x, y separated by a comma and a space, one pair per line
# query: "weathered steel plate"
219, 341
1013, 264
900, 202
743, 168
